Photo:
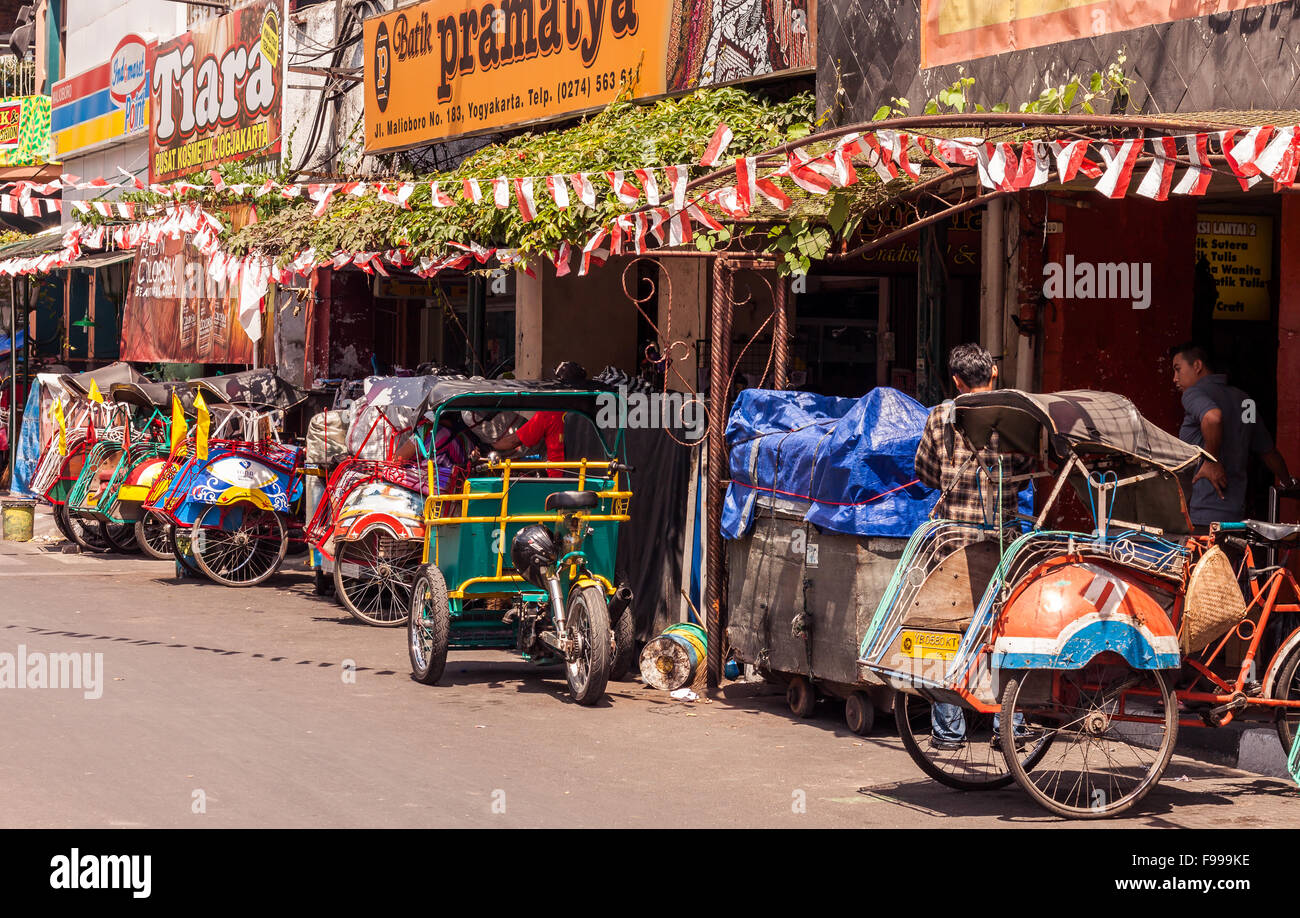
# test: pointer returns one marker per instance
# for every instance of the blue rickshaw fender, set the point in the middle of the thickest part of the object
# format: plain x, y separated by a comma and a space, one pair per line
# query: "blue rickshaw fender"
1063, 615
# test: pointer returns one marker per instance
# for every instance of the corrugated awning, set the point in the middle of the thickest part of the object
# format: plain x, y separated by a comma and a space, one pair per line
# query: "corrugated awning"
99, 259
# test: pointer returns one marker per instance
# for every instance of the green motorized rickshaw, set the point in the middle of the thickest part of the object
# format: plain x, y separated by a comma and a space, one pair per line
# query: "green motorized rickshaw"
520, 555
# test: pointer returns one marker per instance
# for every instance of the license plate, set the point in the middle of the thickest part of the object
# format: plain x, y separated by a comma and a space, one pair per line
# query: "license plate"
929, 645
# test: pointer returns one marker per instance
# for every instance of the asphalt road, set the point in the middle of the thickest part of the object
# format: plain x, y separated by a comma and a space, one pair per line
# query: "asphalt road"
229, 707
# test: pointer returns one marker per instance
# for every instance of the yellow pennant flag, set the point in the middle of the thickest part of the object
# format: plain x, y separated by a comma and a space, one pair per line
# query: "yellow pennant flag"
63, 427
204, 424
178, 426
94, 394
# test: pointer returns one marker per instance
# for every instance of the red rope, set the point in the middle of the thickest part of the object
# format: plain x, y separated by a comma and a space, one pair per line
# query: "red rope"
833, 503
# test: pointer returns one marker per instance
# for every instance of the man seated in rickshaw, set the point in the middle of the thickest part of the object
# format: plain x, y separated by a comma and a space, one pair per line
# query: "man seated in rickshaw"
969, 491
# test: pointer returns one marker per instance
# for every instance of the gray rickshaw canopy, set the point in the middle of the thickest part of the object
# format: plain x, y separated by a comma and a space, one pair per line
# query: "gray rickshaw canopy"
1106, 432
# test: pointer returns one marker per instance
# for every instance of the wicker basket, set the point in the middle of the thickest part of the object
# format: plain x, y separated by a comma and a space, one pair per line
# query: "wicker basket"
1214, 603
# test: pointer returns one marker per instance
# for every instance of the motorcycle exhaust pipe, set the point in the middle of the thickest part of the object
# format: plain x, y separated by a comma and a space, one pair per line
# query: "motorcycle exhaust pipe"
557, 604
622, 598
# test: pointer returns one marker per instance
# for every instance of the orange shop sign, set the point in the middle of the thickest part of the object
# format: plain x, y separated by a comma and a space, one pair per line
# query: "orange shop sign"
445, 68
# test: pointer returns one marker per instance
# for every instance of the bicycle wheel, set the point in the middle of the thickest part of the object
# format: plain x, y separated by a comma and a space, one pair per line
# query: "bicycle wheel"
1101, 762
60, 512
119, 536
975, 763
239, 545
373, 578
87, 533
1287, 688
153, 534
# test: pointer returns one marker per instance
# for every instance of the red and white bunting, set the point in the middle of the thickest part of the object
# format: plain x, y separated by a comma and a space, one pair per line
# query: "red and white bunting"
678, 177
1198, 175
649, 185
524, 195
472, 191
562, 259
1034, 167
699, 215
501, 192
1242, 149
798, 170
880, 157
1281, 157
717, 147
746, 186
583, 188
1160, 174
439, 197
404, 192
559, 191
1070, 157
628, 194
1120, 157
589, 251
322, 195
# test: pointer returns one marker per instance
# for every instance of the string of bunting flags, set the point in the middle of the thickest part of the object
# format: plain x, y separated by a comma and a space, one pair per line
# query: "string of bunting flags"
667, 213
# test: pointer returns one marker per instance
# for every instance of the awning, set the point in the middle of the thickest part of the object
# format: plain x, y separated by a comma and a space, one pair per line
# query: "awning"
99, 259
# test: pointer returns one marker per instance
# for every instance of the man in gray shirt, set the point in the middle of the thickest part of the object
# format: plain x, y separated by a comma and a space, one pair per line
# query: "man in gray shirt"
1219, 418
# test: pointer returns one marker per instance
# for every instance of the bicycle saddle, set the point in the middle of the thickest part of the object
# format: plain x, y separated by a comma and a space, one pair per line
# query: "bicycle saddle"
572, 500
1274, 532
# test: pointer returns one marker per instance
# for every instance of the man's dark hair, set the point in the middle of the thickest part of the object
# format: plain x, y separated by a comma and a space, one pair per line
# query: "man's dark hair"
1191, 352
972, 364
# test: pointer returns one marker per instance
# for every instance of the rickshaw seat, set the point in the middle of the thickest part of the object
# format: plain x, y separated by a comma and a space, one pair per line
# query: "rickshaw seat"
572, 500
952, 590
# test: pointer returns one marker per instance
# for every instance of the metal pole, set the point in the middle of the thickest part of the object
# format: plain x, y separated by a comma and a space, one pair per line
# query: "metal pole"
781, 312
476, 319
719, 358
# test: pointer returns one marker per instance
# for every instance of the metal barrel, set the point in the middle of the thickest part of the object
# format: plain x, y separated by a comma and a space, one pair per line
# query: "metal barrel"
18, 519
671, 660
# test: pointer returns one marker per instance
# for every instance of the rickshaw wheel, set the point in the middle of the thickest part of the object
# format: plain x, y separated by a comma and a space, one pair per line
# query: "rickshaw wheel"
181, 550
60, 512
1099, 766
86, 533
240, 557
153, 534
588, 623
119, 536
976, 764
429, 628
380, 592
859, 713
624, 645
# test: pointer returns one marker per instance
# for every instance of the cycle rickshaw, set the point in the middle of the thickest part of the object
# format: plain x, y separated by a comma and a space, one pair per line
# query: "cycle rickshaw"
1070, 656
521, 556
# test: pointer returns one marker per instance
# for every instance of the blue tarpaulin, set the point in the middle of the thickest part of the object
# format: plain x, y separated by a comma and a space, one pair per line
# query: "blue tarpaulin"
4, 343
29, 442
849, 462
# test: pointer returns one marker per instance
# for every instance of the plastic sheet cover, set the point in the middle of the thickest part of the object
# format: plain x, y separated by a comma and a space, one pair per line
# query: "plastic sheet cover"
846, 464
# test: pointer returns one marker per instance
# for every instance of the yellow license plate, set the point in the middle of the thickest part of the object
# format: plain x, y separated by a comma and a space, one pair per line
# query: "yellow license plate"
929, 645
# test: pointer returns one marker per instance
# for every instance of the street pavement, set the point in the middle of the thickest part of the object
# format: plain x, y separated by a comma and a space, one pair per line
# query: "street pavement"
226, 707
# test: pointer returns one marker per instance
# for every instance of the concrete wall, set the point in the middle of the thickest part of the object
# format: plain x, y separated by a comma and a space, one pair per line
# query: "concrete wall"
587, 319
95, 28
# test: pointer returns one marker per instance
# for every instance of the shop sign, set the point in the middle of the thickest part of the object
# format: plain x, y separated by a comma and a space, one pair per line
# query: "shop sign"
953, 31
216, 93
1239, 249
446, 68
106, 104
24, 131
176, 313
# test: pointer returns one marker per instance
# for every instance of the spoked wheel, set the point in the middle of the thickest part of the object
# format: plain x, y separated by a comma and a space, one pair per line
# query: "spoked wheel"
153, 534
973, 763
429, 629
239, 545
87, 533
183, 551
587, 668
1102, 760
1287, 688
60, 512
119, 536
373, 578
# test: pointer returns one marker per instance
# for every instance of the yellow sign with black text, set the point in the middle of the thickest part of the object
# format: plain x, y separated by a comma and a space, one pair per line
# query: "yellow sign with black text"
1239, 249
445, 68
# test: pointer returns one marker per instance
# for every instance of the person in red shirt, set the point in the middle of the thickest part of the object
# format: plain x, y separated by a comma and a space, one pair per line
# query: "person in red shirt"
544, 425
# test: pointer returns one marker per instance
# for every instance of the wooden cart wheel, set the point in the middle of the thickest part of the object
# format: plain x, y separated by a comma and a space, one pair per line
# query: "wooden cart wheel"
801, 697
860, 713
